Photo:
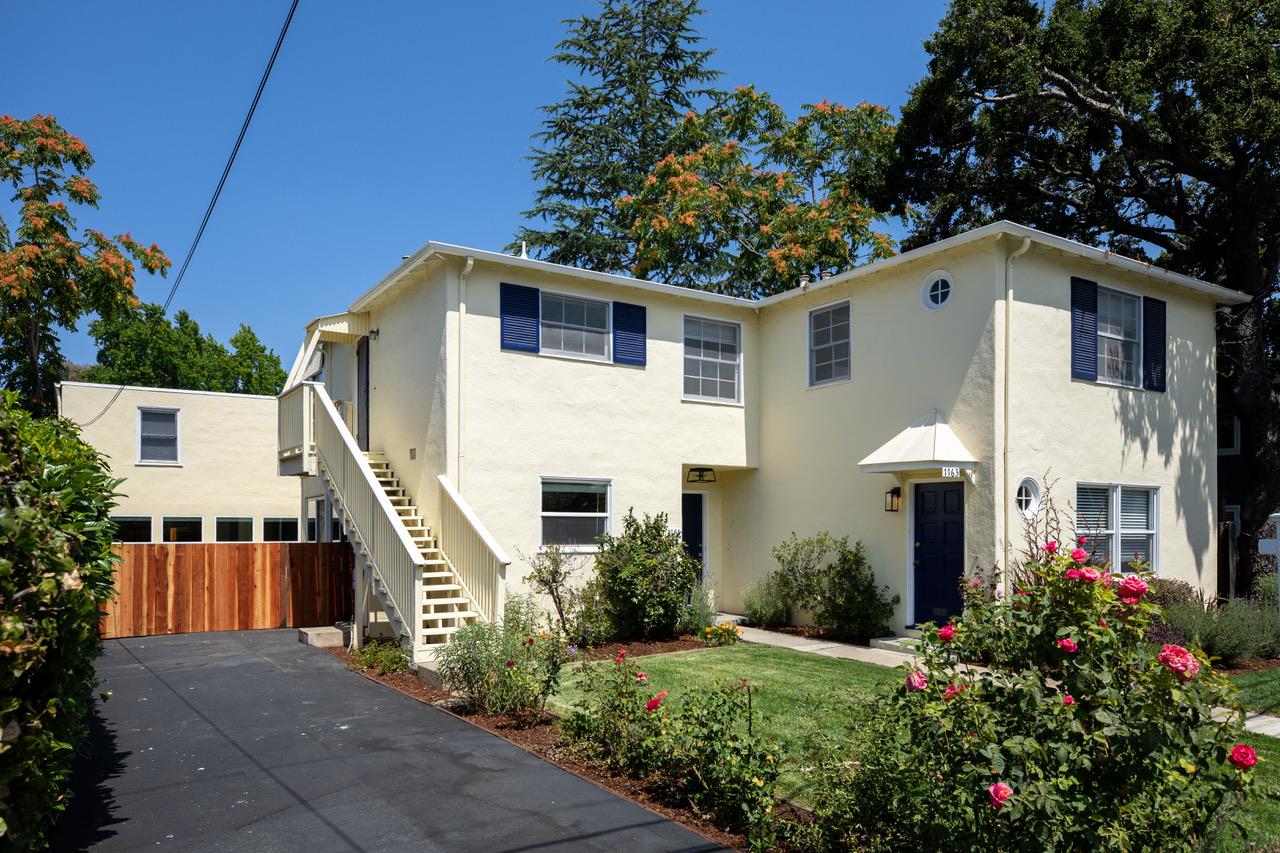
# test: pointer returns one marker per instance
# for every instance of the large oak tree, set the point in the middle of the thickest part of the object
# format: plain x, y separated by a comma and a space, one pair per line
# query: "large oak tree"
1149, 126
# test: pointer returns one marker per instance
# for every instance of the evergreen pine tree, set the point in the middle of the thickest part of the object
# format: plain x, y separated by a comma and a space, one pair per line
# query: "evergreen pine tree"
638, 72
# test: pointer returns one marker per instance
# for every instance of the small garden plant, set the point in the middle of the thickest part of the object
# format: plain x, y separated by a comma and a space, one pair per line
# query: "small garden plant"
382, 656
722, 634
1075, 732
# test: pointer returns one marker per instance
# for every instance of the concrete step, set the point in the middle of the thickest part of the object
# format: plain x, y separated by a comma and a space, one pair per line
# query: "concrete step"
902, 645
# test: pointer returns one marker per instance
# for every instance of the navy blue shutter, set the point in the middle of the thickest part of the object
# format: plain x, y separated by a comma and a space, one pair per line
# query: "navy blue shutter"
1153, 344
629, 327
1084, 329
519, 308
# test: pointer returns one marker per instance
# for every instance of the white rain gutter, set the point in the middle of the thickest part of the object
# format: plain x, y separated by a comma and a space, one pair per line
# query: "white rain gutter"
462, 324
1008, 322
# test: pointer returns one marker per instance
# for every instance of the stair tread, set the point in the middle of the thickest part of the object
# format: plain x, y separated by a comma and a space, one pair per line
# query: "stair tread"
454, 600
457, 614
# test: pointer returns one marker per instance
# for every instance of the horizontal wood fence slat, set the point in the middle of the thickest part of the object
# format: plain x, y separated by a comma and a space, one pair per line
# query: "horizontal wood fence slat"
190, 587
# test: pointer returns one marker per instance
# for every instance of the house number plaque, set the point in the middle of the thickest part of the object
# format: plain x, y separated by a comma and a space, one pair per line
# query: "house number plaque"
951, 472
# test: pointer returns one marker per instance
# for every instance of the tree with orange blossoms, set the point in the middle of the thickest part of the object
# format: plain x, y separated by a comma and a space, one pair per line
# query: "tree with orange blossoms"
750, 200
51, 275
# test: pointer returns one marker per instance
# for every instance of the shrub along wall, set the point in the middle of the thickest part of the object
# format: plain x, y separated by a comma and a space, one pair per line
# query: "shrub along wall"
55, 574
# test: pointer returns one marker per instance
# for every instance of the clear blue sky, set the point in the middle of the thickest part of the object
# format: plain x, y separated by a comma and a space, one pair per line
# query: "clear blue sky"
384, 125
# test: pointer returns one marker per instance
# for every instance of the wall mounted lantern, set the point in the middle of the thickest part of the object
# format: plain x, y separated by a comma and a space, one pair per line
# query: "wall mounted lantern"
701, 475
893, 499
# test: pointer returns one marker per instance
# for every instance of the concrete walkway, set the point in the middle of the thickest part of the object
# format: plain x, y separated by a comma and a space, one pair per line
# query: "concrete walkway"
1262, 724
250, 741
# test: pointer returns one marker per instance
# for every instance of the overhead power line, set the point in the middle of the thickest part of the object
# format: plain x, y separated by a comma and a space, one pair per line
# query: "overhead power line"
213, 201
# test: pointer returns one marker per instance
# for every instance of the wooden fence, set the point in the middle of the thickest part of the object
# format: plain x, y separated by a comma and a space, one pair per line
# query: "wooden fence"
185, 588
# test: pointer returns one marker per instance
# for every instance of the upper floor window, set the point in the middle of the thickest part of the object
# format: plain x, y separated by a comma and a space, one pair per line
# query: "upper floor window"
829, 344
574, 326
1119, 524
712, 360
574, 512
158, 435
1118, 337
1228, 435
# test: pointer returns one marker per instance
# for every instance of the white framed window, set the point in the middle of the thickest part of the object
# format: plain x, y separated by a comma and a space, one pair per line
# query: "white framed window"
830, 344
1120, 523
712, 360
227, 529
574, 512
280, 529
1228, 435
132, 528
1027, 498
158, 436
181, 529
936, 289
1231, 514
1119, 338
573, 326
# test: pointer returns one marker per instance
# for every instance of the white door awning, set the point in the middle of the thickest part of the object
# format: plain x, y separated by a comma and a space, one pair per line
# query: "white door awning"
926, 445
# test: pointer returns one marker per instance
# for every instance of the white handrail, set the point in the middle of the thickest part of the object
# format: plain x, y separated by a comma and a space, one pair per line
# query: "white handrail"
477, 559
376, 524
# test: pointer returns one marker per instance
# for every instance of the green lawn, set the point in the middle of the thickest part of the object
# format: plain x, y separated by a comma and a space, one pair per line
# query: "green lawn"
796, 696
801, 696
1260, 691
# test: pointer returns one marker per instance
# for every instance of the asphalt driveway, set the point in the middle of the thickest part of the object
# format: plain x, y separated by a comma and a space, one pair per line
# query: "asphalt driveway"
250, 741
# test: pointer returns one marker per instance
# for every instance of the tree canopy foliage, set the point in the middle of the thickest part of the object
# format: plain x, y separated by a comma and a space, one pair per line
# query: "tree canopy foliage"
51, 275
142, 347
638, 69
1151, 127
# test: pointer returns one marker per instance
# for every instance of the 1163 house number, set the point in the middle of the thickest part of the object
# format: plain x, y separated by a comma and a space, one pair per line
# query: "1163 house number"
951, 472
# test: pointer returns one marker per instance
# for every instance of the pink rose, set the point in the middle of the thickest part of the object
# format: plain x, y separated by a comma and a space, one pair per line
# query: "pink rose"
952, 691
1243, 756
947, 633
1071, 574
1079, 555
1089, 574
999, 793
1179, 661
977, 582
656, 702
1132, 587
1082, 540
1068, 645
642, 678
1068, 700
916, 681
1051, 547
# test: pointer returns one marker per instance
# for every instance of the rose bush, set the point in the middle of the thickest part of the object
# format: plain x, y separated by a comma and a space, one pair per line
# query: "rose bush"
1042, 717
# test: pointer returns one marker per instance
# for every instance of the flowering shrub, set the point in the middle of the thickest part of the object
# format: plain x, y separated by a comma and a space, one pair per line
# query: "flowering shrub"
508, 667
699, 750
646, 576
723, 634
1075, 733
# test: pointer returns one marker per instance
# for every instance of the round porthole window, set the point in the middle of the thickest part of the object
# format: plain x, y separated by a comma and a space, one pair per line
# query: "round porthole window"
1028, 498
936, 289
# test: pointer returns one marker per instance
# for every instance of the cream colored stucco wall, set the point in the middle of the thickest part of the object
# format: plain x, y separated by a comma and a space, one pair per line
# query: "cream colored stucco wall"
525, 416
907, 360
1079, 431
226, 448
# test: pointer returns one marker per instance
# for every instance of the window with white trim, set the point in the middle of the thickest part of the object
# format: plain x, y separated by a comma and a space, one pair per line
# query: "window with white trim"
1027, 498
233, 529
574, 326
158, 435
1228, 435
829, 344
280, 529
180, 529
712, 358
1119, 523
574, 512
132, 528
1119, 338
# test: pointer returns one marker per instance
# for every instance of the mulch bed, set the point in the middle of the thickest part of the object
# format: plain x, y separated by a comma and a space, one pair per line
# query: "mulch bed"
1252, 665
538, 735
641, 648
811, 633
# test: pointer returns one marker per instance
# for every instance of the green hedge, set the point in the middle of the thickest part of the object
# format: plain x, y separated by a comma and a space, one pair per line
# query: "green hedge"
56, 571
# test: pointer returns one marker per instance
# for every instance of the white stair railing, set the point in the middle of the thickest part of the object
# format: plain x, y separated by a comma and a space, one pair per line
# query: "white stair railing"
293, 426
473, 554
392, 554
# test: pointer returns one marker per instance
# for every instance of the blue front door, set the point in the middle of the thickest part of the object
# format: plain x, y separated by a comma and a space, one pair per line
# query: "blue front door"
939, 550
691, 529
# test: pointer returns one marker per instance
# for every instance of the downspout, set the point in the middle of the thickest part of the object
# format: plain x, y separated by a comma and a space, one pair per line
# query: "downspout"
1008, 320
462, 324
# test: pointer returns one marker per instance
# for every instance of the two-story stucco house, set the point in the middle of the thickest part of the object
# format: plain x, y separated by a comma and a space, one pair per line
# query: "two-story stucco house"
493, 404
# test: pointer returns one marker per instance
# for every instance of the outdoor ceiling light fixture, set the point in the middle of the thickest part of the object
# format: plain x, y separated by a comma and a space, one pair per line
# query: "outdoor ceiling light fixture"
893, 499
701, 475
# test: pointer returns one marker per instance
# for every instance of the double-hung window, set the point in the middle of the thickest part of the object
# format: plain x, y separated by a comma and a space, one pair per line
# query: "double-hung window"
712, 360
574, 326
1119, 523
829, 344
1119, 338
574, 512
158, 436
